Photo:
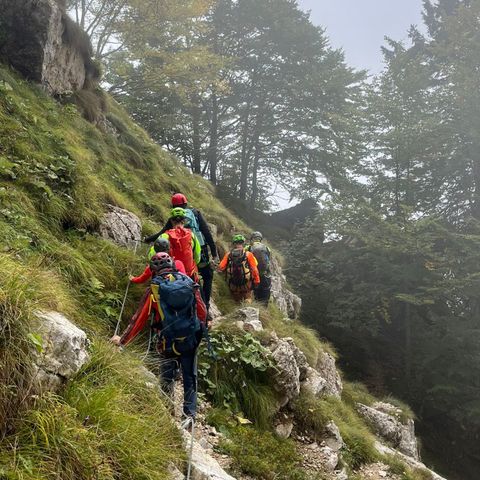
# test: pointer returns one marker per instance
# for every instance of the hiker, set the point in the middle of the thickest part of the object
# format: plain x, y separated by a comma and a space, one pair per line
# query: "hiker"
184, 245
197, 223
160, 245
178, 318
240, 269
263, 255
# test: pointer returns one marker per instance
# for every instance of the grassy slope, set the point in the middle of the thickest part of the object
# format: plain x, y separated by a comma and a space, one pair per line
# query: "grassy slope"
57, 173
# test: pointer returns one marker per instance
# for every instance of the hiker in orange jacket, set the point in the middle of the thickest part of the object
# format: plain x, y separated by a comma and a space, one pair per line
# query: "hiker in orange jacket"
241, 270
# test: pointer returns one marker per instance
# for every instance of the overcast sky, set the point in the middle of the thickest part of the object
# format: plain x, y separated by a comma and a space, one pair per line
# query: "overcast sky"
359, 26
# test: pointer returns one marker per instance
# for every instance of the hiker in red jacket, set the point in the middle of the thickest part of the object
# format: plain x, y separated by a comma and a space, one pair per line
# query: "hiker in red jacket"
160, 245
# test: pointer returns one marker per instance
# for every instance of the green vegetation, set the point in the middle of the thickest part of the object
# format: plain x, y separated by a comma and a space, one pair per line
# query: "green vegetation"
109, 423
240, 378
262, 455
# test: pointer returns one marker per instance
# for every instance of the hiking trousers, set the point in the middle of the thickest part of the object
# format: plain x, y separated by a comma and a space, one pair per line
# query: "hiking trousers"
206, 273
187, 362
263, 290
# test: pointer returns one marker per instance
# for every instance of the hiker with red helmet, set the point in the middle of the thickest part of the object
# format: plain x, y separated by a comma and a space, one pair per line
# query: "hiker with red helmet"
241, 270
172, 301
195, 222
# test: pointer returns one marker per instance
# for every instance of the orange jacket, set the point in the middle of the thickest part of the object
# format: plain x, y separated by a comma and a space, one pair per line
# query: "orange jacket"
252, 263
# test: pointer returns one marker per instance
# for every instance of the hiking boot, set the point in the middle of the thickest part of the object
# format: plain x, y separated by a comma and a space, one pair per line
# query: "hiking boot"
187, 424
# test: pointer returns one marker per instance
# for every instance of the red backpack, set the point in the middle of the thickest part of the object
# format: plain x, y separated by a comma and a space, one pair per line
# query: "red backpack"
181, 248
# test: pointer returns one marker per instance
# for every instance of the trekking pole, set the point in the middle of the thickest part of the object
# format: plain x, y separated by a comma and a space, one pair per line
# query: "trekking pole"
117, 328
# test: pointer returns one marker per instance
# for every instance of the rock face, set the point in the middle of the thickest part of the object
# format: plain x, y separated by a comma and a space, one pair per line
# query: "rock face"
289, 303
46, 46
288, 374
121, 226
389, 427
64, 350
327, 369
314, 383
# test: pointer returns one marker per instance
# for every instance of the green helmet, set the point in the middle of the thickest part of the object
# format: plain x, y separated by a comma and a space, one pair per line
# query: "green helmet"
238, 239
178, 213
256, 236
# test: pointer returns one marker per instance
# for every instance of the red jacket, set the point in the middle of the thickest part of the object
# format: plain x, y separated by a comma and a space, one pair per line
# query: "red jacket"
147, 274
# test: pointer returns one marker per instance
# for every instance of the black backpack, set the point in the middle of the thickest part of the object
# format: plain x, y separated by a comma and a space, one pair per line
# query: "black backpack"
238, 271
262, 255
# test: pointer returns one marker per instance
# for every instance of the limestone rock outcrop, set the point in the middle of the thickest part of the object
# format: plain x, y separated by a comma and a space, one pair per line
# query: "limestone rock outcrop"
326, 367
251, 319
121, 226
287, 379
289, 303
64, 350
204, 466
45, 46
384, 418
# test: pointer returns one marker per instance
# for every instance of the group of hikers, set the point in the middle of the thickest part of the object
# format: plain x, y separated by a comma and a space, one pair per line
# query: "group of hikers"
176, 304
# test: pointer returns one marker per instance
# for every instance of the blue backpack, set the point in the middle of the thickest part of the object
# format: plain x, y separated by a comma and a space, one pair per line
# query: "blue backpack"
180, 324
192, 224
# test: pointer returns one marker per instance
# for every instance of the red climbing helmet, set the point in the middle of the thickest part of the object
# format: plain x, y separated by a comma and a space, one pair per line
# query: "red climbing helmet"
160, 262
178, 200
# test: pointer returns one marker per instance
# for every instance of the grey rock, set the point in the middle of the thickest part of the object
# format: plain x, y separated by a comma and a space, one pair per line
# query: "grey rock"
287, 378
334, 439
121, 226
314, 383
213, 230
36, 44
329, 458
175, 473
204, 466
284, 427
391, 429
289, 303
327, 369
64, 350
251, 319
214, 311
300, 358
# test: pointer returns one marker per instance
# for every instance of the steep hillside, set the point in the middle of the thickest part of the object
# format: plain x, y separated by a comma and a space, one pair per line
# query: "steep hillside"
272, 401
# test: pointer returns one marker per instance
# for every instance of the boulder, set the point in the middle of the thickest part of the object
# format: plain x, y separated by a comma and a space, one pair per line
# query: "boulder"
314, 382
333, 437
300, 358
287, 378
391, 429
329, 458
289, 303
121, 226
43, 44
64, 350
327, 369
204, 466
251, 319
284, 426
214, 311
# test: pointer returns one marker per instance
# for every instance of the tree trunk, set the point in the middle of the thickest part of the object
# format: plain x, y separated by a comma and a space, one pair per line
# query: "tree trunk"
213, 145
244, 155
197, 163
408, 345
256, 159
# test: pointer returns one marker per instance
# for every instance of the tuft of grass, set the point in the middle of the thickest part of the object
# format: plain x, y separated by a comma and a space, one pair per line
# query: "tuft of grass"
109, 424
313, 414
398, 467
355, 392
262, 455
407, 412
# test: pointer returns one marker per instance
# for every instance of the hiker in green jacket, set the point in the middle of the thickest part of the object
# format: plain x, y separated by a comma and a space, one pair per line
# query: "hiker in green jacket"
263, 255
